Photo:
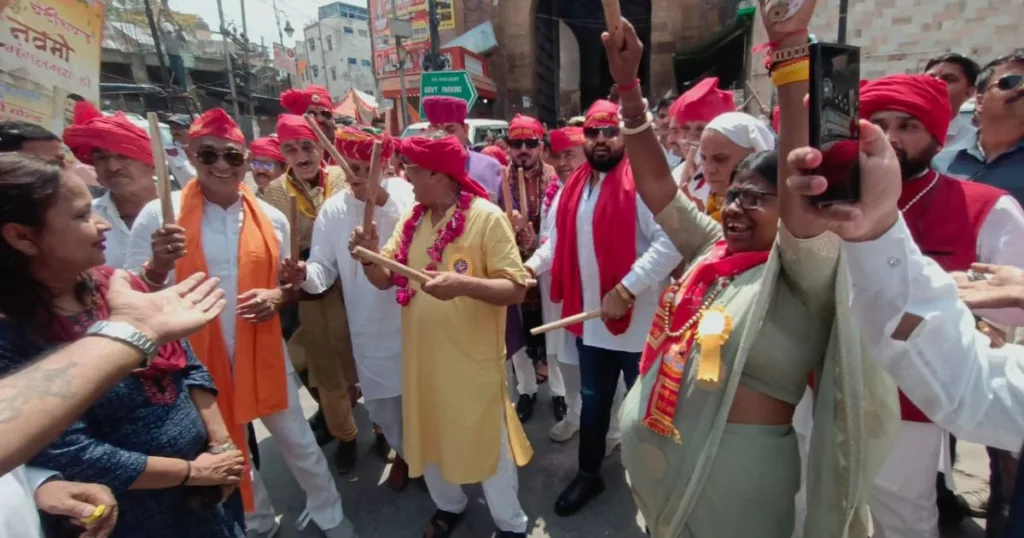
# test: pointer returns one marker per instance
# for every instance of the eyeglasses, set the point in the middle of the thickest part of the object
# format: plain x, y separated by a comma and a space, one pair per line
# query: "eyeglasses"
592, 133
322, 114
748, 198
209, 157
262, 166
1010, 82
532, 143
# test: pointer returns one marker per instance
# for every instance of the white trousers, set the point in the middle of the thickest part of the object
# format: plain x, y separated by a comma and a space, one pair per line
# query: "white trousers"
307, 462
525, 374
903, 501
555, 382
500, 490
387, 413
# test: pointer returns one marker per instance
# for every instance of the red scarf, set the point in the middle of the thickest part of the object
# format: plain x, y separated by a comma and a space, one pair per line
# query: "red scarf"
661, 407
170, 357
614, 228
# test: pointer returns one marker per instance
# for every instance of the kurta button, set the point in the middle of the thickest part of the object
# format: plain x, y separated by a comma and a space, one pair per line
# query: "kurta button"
894, 262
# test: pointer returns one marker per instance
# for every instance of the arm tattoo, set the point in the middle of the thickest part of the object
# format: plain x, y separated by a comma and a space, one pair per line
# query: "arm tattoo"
32, 384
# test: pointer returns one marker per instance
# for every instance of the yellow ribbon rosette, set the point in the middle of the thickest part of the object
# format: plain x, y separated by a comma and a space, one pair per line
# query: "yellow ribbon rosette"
712, 333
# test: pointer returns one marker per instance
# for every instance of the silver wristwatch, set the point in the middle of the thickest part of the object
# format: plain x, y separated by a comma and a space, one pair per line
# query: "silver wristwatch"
124, 332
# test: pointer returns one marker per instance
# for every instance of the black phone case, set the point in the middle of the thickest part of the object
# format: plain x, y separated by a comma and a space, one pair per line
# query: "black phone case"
850, 194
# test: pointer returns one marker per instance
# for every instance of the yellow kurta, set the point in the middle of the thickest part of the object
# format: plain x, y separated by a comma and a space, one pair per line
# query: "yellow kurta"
454, 392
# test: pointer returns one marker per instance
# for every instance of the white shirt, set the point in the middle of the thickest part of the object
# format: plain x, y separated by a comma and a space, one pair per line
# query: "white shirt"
656, 258
697, 188
221, 231
179, 165
18, 513
117, 237
945, 366
376, 320
559, 342
1001, 242
961, 131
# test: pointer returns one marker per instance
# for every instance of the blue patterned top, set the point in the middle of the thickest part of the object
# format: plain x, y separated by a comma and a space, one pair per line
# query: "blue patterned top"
110, 443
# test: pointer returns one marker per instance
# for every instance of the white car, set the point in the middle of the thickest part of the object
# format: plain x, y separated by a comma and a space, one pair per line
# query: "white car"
478, 129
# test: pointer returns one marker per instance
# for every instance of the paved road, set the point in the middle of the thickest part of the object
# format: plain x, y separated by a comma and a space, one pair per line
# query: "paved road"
380, 513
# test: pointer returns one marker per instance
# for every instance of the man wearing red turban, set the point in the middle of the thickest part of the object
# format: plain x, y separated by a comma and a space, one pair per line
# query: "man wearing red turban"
448, 114
604, 252
691, 112
267, 162
458, 424
376, 350
315, 100
495, 152
223, 230
321, 346
525, 140
563, 361
957, 223
120, 153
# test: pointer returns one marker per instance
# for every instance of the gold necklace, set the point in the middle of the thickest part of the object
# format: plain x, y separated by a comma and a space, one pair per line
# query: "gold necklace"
922, 193
669, 306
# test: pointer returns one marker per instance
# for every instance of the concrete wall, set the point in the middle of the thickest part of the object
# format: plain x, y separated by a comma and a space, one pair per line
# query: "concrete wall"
569, 72
343, 41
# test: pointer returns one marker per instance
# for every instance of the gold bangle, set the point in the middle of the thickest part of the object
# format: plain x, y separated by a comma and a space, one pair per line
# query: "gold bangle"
624, 293
795, 72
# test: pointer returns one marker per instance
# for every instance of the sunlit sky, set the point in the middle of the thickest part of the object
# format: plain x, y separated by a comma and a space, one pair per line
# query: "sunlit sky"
259, 15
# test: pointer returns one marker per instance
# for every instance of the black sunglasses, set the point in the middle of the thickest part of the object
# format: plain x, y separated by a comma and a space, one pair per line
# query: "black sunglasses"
748, 198
209, 157
1010, 82
592, 133
532, 143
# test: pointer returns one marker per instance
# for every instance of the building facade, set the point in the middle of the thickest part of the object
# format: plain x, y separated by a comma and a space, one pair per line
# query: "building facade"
337, 51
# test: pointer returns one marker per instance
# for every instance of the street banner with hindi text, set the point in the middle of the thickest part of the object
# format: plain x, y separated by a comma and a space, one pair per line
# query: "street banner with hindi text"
49, 49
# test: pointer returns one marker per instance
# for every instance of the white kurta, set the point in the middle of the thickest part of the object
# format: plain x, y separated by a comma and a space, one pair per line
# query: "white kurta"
560, 342
656, 257
376, 322
117, 237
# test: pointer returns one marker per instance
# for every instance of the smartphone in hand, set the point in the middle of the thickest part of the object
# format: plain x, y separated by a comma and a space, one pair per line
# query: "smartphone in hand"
834, 110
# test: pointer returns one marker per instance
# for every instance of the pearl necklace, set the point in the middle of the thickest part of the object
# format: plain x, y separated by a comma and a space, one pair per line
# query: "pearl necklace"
922, 193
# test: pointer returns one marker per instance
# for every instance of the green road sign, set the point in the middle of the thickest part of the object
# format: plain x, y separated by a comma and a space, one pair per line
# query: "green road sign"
450, 83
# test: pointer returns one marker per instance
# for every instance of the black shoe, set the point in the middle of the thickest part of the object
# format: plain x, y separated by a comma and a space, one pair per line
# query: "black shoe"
319, 427
510, 534
381, 447
578, 494
345, 456
559, 407
524, 407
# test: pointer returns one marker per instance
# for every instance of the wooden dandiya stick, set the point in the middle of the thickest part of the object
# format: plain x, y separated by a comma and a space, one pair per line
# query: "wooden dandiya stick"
612, 16
372, 184
293, 211
163, 182
506, 193
565, 322
329, 147
391, 265
524, 203
760, 103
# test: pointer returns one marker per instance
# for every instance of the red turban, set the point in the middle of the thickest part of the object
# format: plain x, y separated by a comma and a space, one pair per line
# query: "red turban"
85, 111
923, 97
216, 123
444, 155
525, 128
565, 138
602, 113
357, 144
298, 101
293, 127
702, 103
443, 109
496, 153
269, 147
115, 134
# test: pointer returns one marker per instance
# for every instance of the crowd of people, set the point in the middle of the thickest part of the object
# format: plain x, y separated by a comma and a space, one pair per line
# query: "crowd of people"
769, 367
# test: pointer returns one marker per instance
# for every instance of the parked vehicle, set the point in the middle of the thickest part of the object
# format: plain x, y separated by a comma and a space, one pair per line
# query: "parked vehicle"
479, 129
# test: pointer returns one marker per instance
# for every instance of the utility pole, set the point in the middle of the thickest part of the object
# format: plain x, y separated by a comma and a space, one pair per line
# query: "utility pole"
280, 36
227, 58
323, 54
401, 69
433, 61
843, 9
248, 66
155, 30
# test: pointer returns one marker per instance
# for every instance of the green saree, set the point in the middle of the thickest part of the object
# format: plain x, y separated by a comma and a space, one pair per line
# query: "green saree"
738, 480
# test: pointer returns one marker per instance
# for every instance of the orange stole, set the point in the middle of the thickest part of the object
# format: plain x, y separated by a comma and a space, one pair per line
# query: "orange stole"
258, 387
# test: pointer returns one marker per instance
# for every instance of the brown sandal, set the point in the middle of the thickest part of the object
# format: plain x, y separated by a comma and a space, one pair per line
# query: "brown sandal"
442, 524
